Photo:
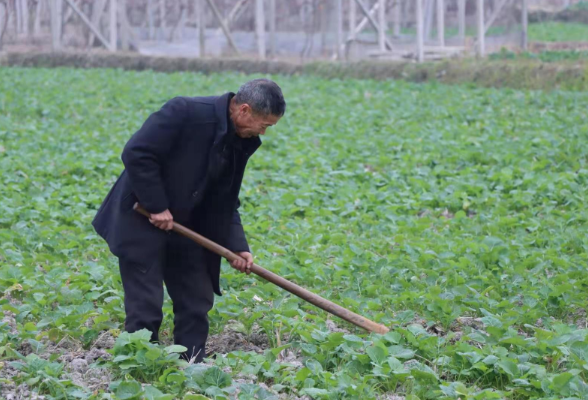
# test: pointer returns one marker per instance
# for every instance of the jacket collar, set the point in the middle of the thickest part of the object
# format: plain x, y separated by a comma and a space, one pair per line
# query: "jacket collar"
221, 106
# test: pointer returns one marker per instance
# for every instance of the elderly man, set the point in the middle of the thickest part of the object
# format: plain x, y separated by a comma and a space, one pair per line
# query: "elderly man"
185, 164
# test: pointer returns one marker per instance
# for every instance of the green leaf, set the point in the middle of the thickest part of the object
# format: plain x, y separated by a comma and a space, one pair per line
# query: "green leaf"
122, 358
490, 360
128, 364
175, 378
215, 377
38, 296
509, 367
33, 381
377, 354
176, 348
141, 335
153, 354
152, 393
424, 376
400, 352
302, 374
314, 366
393, 337
580, 349
394, 363
29, 326
561, 381
353, 338
129, 390
314, 392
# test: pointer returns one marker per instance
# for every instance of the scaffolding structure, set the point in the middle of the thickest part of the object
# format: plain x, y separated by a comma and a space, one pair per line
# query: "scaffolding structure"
416, 30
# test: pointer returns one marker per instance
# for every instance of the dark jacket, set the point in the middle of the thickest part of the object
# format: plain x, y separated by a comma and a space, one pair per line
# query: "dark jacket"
169, 163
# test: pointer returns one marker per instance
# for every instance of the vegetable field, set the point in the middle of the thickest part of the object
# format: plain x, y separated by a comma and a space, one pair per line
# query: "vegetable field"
454, 215
558, 32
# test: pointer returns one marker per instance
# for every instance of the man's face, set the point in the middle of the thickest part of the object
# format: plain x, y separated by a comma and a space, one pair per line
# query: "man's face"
249, 124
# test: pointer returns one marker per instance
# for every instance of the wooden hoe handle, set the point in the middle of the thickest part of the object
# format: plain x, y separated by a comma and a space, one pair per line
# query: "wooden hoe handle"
293, 288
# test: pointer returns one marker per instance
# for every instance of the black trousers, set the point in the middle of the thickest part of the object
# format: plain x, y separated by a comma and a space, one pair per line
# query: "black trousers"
189, 285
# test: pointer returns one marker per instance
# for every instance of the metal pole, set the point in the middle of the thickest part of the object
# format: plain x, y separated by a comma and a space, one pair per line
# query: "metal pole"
323, 26
37, 22
56, 15
429, 10
525, 16
420, 31
18, 16
113, 23
224, 27
150, 19
382, 25
462, 19
371, 20
272, 27
352, 18
98, 10
339, 22
441, 22
125, 26
162, 17
25, 17
260, 28
352, 33
3, 21
201, 28
88, 23
481, 34
495, 13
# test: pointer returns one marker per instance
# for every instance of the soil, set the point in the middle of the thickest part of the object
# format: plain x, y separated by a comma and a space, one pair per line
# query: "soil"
578, 318
390, 396
332, 326
81, 370
10, 322
78, 364
230, 340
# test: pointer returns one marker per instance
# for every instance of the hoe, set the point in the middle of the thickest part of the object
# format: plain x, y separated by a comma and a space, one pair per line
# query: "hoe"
304, 294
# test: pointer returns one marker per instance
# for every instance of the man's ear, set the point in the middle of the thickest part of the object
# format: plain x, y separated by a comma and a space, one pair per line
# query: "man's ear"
245, 108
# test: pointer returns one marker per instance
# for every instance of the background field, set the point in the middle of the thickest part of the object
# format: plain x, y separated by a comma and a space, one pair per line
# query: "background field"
454, 215
558, 32
549, 31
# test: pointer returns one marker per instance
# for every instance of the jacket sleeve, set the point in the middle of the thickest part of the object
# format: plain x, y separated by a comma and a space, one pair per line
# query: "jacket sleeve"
147, 149
237, 240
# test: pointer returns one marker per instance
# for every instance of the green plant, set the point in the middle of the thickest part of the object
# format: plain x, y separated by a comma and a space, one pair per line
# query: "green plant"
135, 356
545, 56
45, 377
453, 214
558, 32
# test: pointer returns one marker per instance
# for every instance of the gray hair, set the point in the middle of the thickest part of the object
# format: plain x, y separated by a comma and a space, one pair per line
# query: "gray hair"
263, 96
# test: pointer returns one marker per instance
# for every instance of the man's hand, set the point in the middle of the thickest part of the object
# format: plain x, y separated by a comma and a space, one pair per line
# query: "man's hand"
244, 264
162, 220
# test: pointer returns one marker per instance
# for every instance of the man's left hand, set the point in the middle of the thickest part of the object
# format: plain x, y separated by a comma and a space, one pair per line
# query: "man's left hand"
244, 264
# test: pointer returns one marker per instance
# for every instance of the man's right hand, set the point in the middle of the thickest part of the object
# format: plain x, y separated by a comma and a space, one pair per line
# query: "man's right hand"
162, 220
